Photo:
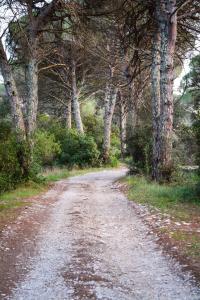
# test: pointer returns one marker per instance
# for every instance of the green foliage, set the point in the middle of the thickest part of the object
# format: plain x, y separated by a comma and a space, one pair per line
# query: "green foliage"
192, 95
113, 161
185, 147
94, 128
4, 106
10, 171
2, 89
197, 134
75, 149
163, 196
139, 147
87, 146
11, 152
55, 174
78, 150
196, 128
115, 151
46, 148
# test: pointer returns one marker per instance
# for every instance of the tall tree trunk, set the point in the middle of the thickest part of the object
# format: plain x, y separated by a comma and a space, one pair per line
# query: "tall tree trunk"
109, 106
155, 83
122, 126
75, 102
13, 95
32, 95
68, 114
132, 114
16, 111
162, 87
32, 105
168, 42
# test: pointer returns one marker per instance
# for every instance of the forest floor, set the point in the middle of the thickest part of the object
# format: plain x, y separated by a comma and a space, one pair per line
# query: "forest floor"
82, 239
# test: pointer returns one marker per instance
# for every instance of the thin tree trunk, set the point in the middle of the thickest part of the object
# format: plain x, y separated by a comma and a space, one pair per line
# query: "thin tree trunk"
109, 106
75, 102
168, 42
68, 114
32, 95
155, 83
122, 126
132, 116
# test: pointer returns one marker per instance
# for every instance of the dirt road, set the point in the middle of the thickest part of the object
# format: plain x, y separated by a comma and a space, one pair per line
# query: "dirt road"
92, 245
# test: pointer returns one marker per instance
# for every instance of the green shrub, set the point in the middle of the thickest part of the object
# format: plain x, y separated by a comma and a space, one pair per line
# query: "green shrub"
69, 140
94, 128
139, 147
197, 134
162, 196
78, 150
46, 148
184, 145
10, 171
112, 161
115, 151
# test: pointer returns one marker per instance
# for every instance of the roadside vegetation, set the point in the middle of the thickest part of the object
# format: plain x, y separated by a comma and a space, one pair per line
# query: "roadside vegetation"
175, 198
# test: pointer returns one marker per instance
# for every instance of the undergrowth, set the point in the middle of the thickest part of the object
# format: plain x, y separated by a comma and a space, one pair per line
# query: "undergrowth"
162, 196
180, 198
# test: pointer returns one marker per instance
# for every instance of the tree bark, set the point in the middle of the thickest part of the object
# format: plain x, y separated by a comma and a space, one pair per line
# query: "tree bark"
109, 106
168, 26
75, 102
16, 111
68, 114
13, 95
155, 83
32, 95
162, 87
123, 116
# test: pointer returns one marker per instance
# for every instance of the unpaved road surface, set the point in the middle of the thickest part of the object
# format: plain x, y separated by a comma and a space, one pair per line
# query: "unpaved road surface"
92, 245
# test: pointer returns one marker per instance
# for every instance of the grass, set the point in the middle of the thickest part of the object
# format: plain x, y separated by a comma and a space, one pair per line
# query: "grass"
190, 243
179, 200
164, 197
52, 175
16, 198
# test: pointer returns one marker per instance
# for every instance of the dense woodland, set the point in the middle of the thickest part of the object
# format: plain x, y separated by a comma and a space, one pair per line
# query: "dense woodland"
88, 83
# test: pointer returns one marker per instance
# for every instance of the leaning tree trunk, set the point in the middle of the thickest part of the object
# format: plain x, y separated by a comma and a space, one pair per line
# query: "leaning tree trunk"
155, 83
75, 102
168, 42
109, 106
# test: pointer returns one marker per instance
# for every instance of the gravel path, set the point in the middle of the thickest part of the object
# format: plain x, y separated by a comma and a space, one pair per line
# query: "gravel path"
92, 245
